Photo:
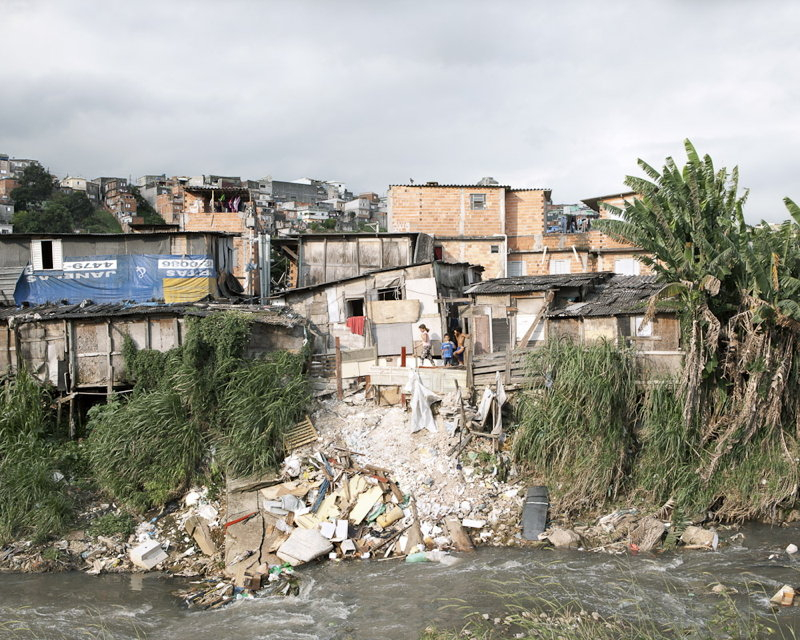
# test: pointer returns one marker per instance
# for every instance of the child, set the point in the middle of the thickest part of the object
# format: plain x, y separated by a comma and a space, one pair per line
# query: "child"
447, 351
461, 346
426, 344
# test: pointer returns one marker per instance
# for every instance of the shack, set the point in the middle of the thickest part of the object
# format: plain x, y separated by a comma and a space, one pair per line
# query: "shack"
78, 348
381, 310
115, 268
316, 258
509, 316
511, 312
615, 310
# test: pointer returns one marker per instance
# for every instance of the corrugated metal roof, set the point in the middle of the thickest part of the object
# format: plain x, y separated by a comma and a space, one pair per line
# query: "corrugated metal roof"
525, 284
619, 295
89, 310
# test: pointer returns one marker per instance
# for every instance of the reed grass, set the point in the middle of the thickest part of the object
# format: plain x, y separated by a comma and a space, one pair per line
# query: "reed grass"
202, 396
144, 451
262, 400
33, 502
579, 429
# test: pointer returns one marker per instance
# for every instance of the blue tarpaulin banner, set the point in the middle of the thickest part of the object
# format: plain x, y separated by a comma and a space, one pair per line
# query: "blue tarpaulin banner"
120, 278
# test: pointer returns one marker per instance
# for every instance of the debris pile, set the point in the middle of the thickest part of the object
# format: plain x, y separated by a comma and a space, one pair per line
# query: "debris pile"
325, 506
184, 539
455, 469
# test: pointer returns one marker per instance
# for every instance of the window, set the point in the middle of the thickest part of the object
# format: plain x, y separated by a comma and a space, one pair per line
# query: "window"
46, 255
516, 268
495, 248
437, 252
355, 307
390, 293
559, 266
627, 267
477, 201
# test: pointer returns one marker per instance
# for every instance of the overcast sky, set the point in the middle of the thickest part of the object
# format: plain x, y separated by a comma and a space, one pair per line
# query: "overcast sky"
565, 95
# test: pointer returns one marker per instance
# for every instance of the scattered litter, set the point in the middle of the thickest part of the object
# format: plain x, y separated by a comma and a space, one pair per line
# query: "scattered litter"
421, 400
699, 538
562, 538
784, 597
147, 555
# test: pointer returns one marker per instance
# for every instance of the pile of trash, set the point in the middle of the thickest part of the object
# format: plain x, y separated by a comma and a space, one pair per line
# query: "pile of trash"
452, 467
327, 506
631, 531
184, 539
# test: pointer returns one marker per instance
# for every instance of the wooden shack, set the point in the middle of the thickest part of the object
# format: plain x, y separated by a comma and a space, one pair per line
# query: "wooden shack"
78, 348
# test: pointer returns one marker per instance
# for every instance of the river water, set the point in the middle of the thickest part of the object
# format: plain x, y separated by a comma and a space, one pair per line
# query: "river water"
366, 600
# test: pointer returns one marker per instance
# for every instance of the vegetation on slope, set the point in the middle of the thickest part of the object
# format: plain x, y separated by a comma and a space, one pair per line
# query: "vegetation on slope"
145, 447
725, 436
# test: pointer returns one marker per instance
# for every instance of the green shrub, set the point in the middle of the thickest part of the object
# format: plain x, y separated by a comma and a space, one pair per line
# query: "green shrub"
145, 451
110, 524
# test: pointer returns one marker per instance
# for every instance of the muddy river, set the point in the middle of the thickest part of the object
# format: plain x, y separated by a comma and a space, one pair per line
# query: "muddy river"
394, 600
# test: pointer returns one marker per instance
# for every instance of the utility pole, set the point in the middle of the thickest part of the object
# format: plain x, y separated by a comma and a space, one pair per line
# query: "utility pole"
264, 267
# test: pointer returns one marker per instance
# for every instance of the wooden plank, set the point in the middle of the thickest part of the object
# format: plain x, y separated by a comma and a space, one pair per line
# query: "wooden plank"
300, 434
458, 535
339, 392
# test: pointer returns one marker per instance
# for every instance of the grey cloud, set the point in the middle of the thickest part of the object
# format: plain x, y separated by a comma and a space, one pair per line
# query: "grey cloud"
565, 95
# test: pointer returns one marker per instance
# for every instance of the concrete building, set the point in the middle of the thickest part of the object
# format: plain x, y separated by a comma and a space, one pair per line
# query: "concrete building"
611, 254
6, 209
13, 167
7, 185
89, 187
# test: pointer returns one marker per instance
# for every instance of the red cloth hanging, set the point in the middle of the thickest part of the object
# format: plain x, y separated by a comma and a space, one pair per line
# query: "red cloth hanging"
356, 324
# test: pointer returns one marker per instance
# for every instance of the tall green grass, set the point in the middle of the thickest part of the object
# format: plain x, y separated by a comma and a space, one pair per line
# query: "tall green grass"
145, 450
33, 502
598, 436
579, 429
262, 400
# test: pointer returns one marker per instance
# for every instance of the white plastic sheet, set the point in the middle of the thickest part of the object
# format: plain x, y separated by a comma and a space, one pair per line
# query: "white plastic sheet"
421, 400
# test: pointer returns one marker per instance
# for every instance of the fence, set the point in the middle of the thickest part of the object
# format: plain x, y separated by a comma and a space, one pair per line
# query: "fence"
510, 364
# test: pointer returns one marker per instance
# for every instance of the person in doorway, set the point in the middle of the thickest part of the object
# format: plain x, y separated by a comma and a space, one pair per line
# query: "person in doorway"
461, 346
447, 351
426, 344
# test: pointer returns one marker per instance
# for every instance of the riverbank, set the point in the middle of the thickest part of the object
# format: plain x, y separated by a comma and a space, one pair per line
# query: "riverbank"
479, 487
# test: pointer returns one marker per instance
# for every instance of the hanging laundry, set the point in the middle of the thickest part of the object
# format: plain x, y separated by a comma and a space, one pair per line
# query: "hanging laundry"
356, 324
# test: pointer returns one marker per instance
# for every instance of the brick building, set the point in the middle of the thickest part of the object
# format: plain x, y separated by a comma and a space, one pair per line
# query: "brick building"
507, 231
225, 209
611, 254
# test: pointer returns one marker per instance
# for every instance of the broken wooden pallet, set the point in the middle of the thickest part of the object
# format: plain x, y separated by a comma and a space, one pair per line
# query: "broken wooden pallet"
301, 434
